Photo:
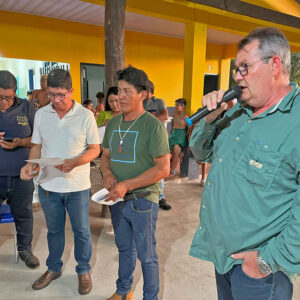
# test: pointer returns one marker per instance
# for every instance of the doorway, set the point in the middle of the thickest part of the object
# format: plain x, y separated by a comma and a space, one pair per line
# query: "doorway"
211, 83
92, 81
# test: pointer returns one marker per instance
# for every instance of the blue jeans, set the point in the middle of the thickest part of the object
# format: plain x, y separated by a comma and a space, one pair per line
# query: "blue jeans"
236, 285
19, 197
161, 195
134, 223
77, 205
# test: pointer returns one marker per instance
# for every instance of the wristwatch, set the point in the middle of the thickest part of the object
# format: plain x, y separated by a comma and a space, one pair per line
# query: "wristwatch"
262, 265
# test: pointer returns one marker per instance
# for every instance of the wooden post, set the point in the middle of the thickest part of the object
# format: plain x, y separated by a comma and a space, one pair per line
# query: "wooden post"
114, 40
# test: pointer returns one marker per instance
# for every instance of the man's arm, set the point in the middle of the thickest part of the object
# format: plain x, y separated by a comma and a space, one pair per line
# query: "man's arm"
201, 140
160, 170
163, 116
17, 142
92, 152
109, 180
281, 252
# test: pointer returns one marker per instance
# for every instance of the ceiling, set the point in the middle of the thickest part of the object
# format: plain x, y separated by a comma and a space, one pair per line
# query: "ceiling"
85, 12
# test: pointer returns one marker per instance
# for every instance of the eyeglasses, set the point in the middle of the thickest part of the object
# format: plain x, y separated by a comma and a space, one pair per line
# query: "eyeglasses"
244, 68
7, 98
59, 96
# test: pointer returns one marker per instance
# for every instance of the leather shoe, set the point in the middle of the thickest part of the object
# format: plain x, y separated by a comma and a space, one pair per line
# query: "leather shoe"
164, 205
116, 296
45, 280
30, 260
84, 283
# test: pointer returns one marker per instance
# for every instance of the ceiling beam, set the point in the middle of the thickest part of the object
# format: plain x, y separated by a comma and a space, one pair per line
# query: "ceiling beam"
251, 10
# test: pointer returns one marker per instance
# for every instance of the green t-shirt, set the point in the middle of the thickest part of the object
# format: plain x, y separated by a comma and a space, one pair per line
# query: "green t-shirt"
145, 140
103, 115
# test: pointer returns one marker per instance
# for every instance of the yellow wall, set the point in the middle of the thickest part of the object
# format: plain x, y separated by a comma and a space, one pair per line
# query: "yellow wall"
161, 58
38, 38
32, 37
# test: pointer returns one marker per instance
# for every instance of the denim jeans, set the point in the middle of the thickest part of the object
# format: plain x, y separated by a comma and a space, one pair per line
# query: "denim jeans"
77, 205
236, 285
161, 195
19, 197
134, 223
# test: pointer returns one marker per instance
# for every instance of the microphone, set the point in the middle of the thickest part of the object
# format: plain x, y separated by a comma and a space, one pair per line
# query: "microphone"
230, 94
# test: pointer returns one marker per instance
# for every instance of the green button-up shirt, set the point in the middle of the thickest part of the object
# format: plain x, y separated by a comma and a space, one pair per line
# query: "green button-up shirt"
251, 199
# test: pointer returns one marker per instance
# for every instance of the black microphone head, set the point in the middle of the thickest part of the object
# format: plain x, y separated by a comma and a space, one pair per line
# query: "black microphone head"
234, 92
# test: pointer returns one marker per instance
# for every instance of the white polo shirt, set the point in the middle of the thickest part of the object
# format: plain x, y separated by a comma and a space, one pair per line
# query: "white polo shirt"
66, 138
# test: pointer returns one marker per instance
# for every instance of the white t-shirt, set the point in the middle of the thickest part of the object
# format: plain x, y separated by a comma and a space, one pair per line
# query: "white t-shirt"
66, 138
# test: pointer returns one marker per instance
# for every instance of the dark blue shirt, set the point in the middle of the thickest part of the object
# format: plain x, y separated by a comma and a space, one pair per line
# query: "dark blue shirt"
17, 122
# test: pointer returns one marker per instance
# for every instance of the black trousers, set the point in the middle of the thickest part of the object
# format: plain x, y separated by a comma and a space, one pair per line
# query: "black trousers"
18, 194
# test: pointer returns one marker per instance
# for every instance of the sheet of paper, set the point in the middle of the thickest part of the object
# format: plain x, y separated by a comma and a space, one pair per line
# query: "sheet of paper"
100, 198
53, 161
48, 171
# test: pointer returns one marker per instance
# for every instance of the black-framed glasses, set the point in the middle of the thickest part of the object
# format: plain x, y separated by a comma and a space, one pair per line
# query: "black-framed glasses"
59, 96
7, 98
244, 68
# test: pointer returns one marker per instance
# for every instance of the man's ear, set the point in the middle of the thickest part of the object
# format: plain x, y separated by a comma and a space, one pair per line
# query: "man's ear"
276, 65
144, 94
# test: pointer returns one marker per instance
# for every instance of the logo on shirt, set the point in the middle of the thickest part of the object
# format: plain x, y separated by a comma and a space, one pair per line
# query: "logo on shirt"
128, 153
22, 120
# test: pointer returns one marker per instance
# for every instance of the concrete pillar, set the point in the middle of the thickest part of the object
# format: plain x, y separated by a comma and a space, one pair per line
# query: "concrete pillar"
194, 64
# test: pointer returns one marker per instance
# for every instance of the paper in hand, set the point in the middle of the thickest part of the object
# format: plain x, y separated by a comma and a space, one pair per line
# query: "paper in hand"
100, 198
53, 161
48, 170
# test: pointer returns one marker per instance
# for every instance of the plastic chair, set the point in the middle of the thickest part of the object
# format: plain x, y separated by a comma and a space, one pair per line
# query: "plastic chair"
6, 217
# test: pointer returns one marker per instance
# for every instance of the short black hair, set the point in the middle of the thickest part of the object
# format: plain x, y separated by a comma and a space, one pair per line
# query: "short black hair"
111, 90
137, 78
181, 101
59, 78
100, 95
87, 102
151, 87
7, 81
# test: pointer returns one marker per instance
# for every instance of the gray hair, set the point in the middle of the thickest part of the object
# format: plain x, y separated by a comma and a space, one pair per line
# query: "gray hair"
271, 42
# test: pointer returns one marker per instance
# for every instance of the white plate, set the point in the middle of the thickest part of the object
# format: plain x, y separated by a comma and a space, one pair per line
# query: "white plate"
99, 197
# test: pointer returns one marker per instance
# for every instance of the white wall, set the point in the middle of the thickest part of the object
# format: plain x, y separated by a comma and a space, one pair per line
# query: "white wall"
20, 68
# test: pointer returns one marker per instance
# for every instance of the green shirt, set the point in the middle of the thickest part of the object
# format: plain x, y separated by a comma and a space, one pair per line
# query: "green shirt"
102, 117
144, 141
251, 199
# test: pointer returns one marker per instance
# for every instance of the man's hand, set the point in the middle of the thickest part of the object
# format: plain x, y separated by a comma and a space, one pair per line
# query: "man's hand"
249, 265
118, 191
17, 142
109, 181
26, 171
211, 100
67, 166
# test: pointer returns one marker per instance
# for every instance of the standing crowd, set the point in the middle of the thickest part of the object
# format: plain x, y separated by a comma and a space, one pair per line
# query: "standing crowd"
250, 209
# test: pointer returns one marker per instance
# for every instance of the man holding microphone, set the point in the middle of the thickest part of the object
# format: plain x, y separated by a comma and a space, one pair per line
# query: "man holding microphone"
250, 211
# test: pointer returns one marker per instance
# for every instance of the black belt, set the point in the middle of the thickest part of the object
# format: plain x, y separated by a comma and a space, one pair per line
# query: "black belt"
135, 196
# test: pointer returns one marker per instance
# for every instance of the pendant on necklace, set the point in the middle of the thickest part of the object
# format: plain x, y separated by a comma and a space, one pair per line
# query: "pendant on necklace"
120, 146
